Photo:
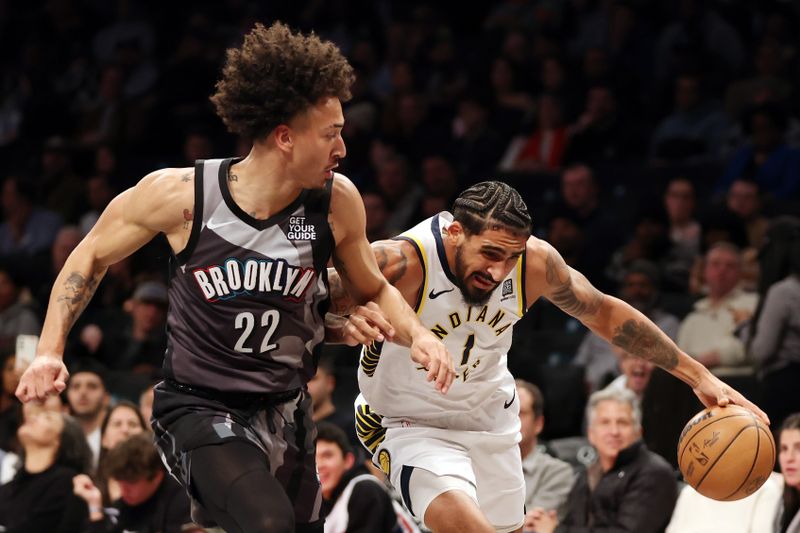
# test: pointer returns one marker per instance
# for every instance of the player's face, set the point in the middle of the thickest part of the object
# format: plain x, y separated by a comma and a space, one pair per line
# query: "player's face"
483, 261
331, 465
317, 144
612, 428
789, 457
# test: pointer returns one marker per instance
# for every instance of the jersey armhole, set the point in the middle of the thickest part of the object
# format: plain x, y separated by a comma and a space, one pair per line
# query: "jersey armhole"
523, 290
197, 221
424, 264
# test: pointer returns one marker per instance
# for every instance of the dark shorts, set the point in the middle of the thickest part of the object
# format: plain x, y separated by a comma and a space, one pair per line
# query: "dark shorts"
280, 425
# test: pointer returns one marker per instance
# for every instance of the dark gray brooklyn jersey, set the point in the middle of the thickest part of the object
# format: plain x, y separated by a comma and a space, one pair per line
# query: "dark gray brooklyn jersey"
247, 296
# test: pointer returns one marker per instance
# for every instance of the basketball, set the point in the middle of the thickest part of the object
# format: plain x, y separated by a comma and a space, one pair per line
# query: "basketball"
726, 453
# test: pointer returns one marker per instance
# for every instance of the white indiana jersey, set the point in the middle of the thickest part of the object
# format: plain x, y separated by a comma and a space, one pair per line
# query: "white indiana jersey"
482, 396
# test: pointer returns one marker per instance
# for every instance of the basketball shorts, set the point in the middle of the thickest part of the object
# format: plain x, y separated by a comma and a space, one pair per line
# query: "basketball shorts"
186, 418
422, 463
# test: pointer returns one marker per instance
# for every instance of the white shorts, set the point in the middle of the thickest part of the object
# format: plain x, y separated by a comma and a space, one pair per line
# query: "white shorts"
423, 463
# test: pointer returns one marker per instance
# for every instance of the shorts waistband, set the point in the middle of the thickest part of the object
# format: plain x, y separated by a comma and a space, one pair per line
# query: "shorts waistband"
235, 399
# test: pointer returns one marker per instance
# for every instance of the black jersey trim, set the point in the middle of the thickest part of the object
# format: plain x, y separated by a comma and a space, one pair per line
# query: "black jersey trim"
437, 236
197, 217
240, 213
319, 202
421, 293
523, 283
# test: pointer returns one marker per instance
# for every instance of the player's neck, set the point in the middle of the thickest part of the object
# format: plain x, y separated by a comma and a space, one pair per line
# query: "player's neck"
260, 184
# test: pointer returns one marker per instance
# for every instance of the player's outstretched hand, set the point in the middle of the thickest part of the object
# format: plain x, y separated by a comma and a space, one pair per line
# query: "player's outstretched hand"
47, 375
713, 391
366, 324
429, 352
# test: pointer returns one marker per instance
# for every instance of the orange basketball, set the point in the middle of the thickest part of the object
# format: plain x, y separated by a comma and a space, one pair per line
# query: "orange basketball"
726, 453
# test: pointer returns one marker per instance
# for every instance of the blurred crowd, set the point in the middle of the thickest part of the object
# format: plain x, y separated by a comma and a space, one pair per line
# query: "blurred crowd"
657, 145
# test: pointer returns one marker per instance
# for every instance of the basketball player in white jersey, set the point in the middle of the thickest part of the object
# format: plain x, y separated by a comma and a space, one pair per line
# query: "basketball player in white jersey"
470, 276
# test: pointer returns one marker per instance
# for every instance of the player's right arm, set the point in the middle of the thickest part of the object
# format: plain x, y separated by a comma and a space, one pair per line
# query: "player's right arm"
161, 202
400, 265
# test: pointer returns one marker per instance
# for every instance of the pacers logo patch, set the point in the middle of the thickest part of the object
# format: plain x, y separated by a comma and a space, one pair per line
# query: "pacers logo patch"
385, 461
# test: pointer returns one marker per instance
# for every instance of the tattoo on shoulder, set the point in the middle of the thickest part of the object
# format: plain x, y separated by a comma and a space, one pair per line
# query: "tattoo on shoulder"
187, 176
396, 269
642, 340
584, 302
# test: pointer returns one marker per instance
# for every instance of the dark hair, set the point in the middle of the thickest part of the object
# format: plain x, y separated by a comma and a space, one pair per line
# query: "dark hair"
122, 403
74, 451
536, 395
88, 365
491, 203
133, 459
791, 496
275, 75
332, 433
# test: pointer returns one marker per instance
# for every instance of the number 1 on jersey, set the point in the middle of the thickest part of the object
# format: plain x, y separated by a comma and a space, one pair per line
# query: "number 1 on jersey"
470, 342
246, 320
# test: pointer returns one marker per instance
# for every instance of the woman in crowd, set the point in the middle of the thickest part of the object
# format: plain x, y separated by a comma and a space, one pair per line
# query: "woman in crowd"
788, 518
39, 497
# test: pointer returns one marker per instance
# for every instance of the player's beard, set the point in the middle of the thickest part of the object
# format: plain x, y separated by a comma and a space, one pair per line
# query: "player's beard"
471, 295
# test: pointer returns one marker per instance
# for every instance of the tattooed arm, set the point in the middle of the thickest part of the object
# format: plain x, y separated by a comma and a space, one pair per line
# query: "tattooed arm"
362, 279
161, 202
399, 264
620, 324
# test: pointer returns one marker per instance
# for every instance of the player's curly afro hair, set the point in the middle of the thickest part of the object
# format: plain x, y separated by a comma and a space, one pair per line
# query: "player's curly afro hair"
275, 75
492, 204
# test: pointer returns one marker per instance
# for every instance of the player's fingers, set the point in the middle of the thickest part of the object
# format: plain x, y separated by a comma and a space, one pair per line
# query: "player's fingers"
754, 408
22, 392
433, 369
366, 329
350, 330
61, 381
380, 320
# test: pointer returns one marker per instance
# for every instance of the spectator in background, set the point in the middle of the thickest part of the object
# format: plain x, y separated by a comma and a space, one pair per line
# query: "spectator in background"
122, 421
150, 501
66, 240
766, 157
146, 404
788, 519
377, 215
10, 407
547, 480
16, 318
513, 105
709, 332
599, 136
774, 343
99, 193
649, 241
88, 399
580, 194
26, 229
354, 501
770, 59
684, 230
543, 149
321, 388
477, 146
743, 199
640, 288
634, 375
137, 342
401, 194
60, 188
628, 488
696, 128
39, 498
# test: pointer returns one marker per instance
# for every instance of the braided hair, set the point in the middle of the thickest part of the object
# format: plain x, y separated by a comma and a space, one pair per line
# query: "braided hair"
492, 204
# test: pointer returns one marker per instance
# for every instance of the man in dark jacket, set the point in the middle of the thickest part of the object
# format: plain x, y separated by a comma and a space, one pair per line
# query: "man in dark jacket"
628, 488
354, 501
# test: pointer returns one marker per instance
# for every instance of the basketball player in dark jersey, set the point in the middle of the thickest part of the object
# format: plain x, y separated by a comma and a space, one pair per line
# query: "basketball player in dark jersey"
248, 295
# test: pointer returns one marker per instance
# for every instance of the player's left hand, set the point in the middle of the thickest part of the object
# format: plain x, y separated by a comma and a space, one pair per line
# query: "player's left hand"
366, 324
713, 391
430, 352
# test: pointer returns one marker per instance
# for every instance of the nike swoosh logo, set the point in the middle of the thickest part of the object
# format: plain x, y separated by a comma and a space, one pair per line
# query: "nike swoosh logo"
433, 295
506, 405
212, 225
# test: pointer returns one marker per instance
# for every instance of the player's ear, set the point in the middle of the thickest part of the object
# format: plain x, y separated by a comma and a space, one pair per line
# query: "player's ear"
455, 229
284, 137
